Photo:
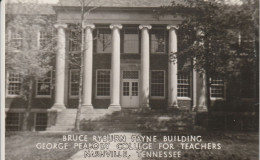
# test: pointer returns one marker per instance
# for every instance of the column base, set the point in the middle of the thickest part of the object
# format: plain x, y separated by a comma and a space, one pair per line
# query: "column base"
57, 107
173, 107
87, 107
194, 108
145, 105
201, 109
115, 107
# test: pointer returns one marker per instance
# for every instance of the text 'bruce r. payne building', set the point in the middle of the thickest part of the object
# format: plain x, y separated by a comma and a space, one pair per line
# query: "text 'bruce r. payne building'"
127, 66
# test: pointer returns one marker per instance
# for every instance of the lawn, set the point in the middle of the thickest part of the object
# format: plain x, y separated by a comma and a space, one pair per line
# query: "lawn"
234, 146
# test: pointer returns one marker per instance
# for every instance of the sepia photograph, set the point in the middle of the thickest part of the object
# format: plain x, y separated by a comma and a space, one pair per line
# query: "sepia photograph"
130, 79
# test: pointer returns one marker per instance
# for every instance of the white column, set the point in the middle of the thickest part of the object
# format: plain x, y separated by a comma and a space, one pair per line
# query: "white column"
87, 69
145, 65
201, 85
60, 68
202, 93
194, 86
172, 68
115, 69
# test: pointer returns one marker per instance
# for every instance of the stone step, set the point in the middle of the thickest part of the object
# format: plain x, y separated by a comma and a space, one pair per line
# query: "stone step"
63, 128
65, 123
69, 111
124, 120
137, 119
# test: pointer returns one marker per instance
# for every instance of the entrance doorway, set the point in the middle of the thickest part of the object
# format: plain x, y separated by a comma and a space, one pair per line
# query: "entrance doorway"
130, 89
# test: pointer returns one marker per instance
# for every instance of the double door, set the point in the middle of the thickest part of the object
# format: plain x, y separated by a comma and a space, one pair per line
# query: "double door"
130, 90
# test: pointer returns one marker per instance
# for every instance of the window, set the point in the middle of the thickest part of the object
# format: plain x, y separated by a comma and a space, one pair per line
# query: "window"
43, 88
14, 84
75, 40
41, 120
45, 40
103, 83
130, 74
240, 41
17, 39
158, 41
12, 122
157, 83
131, 40
104, 40
246, 42
183, 85
217, 87
74, 82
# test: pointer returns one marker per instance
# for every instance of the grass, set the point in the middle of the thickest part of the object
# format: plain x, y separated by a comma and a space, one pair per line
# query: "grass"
21, 146
235, 146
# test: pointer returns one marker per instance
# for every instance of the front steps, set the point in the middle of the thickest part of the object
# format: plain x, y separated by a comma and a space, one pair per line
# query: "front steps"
66, 119
142, 120
125, 120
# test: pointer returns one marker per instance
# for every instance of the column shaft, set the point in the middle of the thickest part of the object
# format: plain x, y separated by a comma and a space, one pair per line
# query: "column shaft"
202, 93
194, 86
115, 68
172, 68
60, 68
145, 65
87, 69
201, 84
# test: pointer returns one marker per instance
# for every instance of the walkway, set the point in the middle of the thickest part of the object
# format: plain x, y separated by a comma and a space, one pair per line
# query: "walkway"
132, 155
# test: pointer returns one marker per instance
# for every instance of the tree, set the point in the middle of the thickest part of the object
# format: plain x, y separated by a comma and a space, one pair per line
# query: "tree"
77, 59
211, 35
24, 56
33, 62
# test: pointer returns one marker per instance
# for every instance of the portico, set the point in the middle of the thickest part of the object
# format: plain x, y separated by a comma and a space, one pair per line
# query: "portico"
118, 84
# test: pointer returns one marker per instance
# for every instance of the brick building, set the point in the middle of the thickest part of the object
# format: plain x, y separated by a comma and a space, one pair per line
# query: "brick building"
126, 66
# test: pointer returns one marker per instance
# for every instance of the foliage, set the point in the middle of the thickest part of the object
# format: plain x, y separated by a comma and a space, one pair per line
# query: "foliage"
30, 60
24, 55
221, 38
212, 33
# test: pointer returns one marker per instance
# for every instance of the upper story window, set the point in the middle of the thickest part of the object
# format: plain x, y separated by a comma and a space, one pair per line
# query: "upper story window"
241, 42
157, 84
217, 89
74, 82
131, 40
183, 85
245, 42
104, 40
43, 86
14, 84
158, 41
45, 40
75, 40
17, 39
103, 83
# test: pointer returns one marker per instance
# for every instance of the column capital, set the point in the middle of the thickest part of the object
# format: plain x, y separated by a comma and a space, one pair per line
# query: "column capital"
60, 25
118, 26
89, 25
171, 26
143, 26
